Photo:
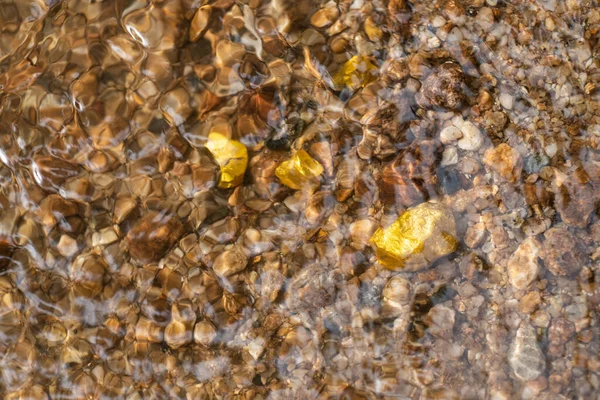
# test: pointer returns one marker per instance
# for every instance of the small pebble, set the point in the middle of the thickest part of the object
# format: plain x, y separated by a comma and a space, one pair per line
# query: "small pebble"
507, 101
523, 266
449, 156
472, 138
67, 246
505, 160
564, 253
450, 134
525, 356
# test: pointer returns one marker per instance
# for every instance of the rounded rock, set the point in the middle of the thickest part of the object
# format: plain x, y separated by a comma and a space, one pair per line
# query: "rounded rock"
563, 254
450, 134
472, 138
504, 160
151, 238
230, 262
445, 87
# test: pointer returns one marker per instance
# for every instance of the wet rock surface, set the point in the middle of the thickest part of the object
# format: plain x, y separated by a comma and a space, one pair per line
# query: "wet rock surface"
525, 356
152, 236
523, 266
563, 253
188, 192
445, 87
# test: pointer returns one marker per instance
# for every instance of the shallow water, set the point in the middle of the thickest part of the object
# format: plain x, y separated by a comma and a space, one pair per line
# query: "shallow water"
299, 199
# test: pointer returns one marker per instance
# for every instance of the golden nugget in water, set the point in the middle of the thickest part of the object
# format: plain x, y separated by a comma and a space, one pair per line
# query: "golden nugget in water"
232, 157
300, 171
418, 237
357, 72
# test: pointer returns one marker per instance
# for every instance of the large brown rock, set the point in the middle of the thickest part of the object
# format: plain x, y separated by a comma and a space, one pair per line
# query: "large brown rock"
575, 202
563, 253
151, 238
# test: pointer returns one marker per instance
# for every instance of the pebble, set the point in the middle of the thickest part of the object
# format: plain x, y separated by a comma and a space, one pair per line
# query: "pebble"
475, 235
575, 202
450, 134
449, 157
324, 17
445, 87
150, 239
204, 333
67, 246
560, 332
419, 236
505, 160
485, 18
530, 302
230, 262
525, 356
523, 266
472, 138
441, 321
563, 253
177, 334
535, 162
507, 101
438, 21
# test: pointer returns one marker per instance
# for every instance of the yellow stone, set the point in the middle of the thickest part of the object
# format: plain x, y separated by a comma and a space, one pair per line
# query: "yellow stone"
372, 30
232, 157
356, 72
300, 171
418, 237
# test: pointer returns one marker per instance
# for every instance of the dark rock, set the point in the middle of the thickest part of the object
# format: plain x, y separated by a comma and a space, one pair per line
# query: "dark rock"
445, 87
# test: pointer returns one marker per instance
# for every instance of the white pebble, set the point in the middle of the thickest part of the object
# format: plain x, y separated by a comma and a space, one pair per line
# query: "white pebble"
450, 134
485, 18
472, 138
438, 21
551, 149
449, 157
507, 101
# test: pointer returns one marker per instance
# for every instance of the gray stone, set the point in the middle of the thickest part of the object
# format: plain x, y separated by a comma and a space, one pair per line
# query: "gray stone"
525, 356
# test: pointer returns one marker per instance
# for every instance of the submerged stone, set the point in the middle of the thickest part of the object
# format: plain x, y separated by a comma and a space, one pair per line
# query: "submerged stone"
418, 237
525, 356
300, 171
151, 238
232, 157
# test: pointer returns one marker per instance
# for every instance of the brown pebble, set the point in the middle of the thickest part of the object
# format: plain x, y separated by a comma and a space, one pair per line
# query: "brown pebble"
530, 302
575, 202
504, 160
563, 253
151, 238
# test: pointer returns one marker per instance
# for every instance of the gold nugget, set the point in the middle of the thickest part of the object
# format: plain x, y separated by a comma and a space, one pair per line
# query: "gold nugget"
300, 171
232, 157
418, 237
356, 72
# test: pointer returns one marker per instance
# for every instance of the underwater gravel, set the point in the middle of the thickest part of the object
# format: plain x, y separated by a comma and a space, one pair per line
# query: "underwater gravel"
188, 192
